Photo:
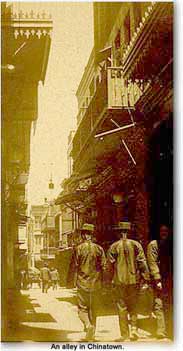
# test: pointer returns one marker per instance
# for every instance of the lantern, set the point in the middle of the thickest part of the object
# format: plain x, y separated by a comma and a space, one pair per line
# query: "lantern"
118, 197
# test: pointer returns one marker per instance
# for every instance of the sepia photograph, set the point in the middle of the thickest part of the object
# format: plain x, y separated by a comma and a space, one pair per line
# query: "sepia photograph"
87, 173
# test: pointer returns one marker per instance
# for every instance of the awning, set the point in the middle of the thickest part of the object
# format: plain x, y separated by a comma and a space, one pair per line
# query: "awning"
77, 200
82, 177
72, 199
103, 54
22, 219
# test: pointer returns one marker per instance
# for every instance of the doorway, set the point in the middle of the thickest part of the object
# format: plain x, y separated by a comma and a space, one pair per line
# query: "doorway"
161, 204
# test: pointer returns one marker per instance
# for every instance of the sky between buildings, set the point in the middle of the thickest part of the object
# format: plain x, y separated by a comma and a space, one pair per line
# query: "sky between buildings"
71, 44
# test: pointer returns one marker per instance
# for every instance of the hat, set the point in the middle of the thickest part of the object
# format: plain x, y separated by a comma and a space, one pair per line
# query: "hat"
124, 225
88, 227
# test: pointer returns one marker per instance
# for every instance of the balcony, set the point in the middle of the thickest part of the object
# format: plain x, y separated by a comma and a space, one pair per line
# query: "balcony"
151, 45
48, 224
24, 61
48, 253
113, 95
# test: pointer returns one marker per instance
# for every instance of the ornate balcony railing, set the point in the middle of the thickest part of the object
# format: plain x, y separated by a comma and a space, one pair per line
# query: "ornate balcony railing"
113, 93
48, 224
48, 253
150, 47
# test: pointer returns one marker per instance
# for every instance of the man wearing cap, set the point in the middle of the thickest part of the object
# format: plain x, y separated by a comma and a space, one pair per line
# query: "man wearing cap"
90, 263
128, 259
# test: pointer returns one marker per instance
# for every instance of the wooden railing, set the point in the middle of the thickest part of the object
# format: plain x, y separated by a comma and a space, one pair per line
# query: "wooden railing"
112, 93
48, 252
48, 223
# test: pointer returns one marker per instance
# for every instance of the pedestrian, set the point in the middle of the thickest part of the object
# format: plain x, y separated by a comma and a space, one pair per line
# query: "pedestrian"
54, 278
90, 264
45, 277
128, 260
159, 255
39, 279
23, 279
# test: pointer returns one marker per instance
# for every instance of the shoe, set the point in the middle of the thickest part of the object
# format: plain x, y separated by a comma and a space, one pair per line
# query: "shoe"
161, 336
134, 334
122, 339
90, 333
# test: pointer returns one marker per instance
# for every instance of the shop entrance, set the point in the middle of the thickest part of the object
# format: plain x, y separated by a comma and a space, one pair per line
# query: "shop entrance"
161, 208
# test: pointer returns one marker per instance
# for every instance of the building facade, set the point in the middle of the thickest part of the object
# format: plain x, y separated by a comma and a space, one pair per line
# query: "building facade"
122, 148
37, 213
25, 50
50, 235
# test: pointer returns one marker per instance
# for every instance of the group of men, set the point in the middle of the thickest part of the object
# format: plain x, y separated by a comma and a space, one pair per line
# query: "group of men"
127, 259
44, 278
49, 275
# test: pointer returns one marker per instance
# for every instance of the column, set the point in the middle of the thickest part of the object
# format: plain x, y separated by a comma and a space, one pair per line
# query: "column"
60, 227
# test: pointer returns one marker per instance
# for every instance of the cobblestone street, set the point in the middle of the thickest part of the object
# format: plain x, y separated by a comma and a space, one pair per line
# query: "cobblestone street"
53, 317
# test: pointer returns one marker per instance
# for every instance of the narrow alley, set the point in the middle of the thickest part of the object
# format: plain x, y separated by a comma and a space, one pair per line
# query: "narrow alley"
87, 171
53, 317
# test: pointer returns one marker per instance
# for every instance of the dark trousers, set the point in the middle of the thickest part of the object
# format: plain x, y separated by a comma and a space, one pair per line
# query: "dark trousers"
54, 284
126, 300
45, 285
159, 312
168, 308
165, 308
88, 305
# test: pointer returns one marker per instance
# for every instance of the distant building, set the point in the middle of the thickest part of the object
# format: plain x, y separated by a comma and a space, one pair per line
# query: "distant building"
22, 237
50, 235
37, 213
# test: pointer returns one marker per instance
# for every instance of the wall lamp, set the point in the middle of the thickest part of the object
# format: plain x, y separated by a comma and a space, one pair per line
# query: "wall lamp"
118, 197
8, 67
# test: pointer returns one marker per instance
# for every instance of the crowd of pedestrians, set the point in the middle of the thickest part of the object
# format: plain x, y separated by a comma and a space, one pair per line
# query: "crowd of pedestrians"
44, 278
129, 265
126, 269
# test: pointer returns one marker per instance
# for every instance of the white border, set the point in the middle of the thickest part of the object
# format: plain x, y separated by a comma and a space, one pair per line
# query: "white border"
177, 345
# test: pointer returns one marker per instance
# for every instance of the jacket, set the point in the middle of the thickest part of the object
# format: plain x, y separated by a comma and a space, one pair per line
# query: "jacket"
129, 260
45, 274
54, 275
159, 257
153, 260
90, 263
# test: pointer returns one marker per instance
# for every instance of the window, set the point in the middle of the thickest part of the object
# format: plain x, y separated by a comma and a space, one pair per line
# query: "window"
38, 240
117, 49
37, 222
127, 28
117, 40
137, 14
97, 80
92, 88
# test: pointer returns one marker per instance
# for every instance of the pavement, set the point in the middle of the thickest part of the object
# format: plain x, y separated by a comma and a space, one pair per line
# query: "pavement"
54, 317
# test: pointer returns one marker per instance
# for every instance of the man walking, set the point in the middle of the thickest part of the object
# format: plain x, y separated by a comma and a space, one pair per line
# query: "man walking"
23, 279
90, 263
45, 277
159, 258
54, 278
128, 258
